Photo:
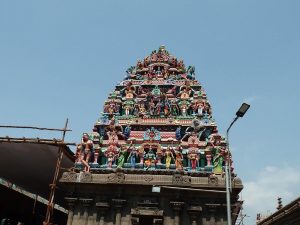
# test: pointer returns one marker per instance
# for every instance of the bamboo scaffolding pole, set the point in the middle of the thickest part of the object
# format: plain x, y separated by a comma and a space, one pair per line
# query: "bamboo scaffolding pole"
49, 213
35, 128
35, 141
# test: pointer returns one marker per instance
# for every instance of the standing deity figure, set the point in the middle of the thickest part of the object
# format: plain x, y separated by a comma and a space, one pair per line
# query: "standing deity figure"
149, 158
122, 155
127, 132
158, 72
87, 147
193, 157
219, 155
183, 109
136, 110
194, 108
112, 107
178, 133
200, 108
81, 157
142, 109
133, 156
158, 108
166, 107
97, 142
111, 155
178, 160
127, 109
174, 108
168, 157
151, 108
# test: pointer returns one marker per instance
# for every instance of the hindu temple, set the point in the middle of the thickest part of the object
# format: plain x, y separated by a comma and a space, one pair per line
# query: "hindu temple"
154, 155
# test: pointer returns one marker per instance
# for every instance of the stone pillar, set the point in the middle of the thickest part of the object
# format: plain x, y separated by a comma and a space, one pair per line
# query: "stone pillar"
102, 208
70, 203
177, 207
118, 205
194, 213
212, 209
86, 202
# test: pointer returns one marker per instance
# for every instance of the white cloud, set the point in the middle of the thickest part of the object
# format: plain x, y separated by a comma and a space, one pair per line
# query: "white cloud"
260, 195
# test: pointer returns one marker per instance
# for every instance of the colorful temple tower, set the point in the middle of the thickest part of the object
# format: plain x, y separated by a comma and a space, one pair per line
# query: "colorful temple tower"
154, 156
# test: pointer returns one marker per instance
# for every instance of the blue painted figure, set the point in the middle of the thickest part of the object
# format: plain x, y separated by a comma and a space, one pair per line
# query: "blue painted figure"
133, 156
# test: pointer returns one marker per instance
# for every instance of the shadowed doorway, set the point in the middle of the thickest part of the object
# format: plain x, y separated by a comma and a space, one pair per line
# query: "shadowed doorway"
146, 220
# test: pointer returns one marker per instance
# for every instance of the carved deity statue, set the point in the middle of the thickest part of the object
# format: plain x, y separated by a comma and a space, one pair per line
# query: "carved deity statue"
168, 157
149, 159
122, 156
111, 154
84, 151
219, 153
178, 160
133, 156
193, 157
174, 108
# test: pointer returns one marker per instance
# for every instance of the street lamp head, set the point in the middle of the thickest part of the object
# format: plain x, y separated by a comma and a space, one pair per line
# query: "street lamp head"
242, 110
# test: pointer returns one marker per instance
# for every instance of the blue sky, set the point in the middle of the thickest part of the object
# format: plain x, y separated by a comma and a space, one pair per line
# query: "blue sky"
60, 59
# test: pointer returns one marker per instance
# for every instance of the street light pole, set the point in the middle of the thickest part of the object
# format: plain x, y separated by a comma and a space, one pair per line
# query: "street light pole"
240, 113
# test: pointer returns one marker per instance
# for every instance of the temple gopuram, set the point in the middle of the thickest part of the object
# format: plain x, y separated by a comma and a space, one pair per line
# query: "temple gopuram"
154, 156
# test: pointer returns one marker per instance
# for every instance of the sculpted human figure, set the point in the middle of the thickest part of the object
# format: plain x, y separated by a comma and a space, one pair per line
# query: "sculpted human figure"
151, 108
219, 155
111, 155
183, 109
149, 158
167, 108
174, 108
158, 108
97, 142
81, 158
200, 108
178, 160
112, 107
133, 156
168, 157
142, 109
127, 109
127, 131
193, 157
178, 133
86, 147
122, 155
136, 109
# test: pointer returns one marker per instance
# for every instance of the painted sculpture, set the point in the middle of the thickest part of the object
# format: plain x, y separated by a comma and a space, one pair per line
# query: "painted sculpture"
157, 118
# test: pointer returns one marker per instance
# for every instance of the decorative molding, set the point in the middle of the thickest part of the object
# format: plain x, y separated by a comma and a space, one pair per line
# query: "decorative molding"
86, 177
116, 178
180, 180
69, 177
147, 178
213, 180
